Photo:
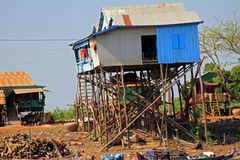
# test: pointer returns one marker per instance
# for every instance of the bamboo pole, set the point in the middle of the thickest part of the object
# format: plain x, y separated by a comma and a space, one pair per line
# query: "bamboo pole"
203, 106
98, 105
193, 93
118, 101
185, 96
173, 103
102, 105
180, 94
170, 110
93, 104
124, 104
76, 104
163, 124
81, 102
142, 112
86, 101
105, 103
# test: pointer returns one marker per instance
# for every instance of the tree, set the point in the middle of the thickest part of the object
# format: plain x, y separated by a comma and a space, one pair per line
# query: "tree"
223, 39
234, 82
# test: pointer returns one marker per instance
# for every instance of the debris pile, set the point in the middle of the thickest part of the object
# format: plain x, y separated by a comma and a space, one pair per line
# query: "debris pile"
21, 146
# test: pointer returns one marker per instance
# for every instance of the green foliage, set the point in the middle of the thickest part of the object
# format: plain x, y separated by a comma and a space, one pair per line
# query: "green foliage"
210, 67
63, 114
177, 105
198, 111
198, 129
235, 103
234, 82
231, 79
224, 36
235, 72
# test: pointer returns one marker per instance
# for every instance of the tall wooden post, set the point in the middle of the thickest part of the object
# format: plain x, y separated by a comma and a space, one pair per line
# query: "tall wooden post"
186, 107
98, 105
170, 111
173, 104
91, 76
118, 102
77, 102
193, 94
124, 103
164, 123
86, 101
203, 106
81, 102
105, 103
179, 93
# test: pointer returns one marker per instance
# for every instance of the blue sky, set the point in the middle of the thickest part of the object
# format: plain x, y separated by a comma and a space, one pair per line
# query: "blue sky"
52, 63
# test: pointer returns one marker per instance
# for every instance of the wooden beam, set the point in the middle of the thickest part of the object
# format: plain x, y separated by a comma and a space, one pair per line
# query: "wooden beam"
138, 116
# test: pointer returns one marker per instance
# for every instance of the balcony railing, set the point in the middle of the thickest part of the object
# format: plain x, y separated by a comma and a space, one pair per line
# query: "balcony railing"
212, 97
149, 57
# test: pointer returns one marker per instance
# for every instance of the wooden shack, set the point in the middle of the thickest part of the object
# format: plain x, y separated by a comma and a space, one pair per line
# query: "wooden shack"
214, 95
18, 94
127, 65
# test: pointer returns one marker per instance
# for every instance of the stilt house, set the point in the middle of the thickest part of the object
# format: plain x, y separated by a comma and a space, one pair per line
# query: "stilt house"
214, 95
128, 64
19, 94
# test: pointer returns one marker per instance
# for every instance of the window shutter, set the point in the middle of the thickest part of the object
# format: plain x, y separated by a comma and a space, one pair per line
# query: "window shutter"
181, 41
175, 41
178, 41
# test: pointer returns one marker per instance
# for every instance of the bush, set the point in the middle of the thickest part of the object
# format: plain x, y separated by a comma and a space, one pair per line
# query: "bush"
63, 114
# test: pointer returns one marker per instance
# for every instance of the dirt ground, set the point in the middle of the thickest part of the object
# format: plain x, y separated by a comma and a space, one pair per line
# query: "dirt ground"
78, 142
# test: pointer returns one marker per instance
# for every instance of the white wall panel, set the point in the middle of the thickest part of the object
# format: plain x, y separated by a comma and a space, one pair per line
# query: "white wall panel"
122, 46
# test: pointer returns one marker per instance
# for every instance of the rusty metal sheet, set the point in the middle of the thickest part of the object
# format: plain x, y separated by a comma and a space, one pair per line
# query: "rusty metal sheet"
127, 20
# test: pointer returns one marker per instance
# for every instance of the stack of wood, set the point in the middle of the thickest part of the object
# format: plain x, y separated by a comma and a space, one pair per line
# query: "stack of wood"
21, 146
47, 118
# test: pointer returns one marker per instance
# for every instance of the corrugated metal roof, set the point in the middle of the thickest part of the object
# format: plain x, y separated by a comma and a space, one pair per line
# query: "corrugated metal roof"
158, 14
24, 91
141, 10
143, 16
81, 41
144, 19
209, 76
8, 79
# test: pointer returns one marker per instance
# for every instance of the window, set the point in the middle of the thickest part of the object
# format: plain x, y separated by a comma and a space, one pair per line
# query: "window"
149, 49
178, 41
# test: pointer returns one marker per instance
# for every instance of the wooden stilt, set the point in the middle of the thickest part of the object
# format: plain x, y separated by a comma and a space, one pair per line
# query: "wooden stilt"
203, 106
81, 102
91, 76
193, 94
170, 111
173, 104
86, 102
164, 115
98, 90
118, 102
185, 95
105, 104
124, 104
